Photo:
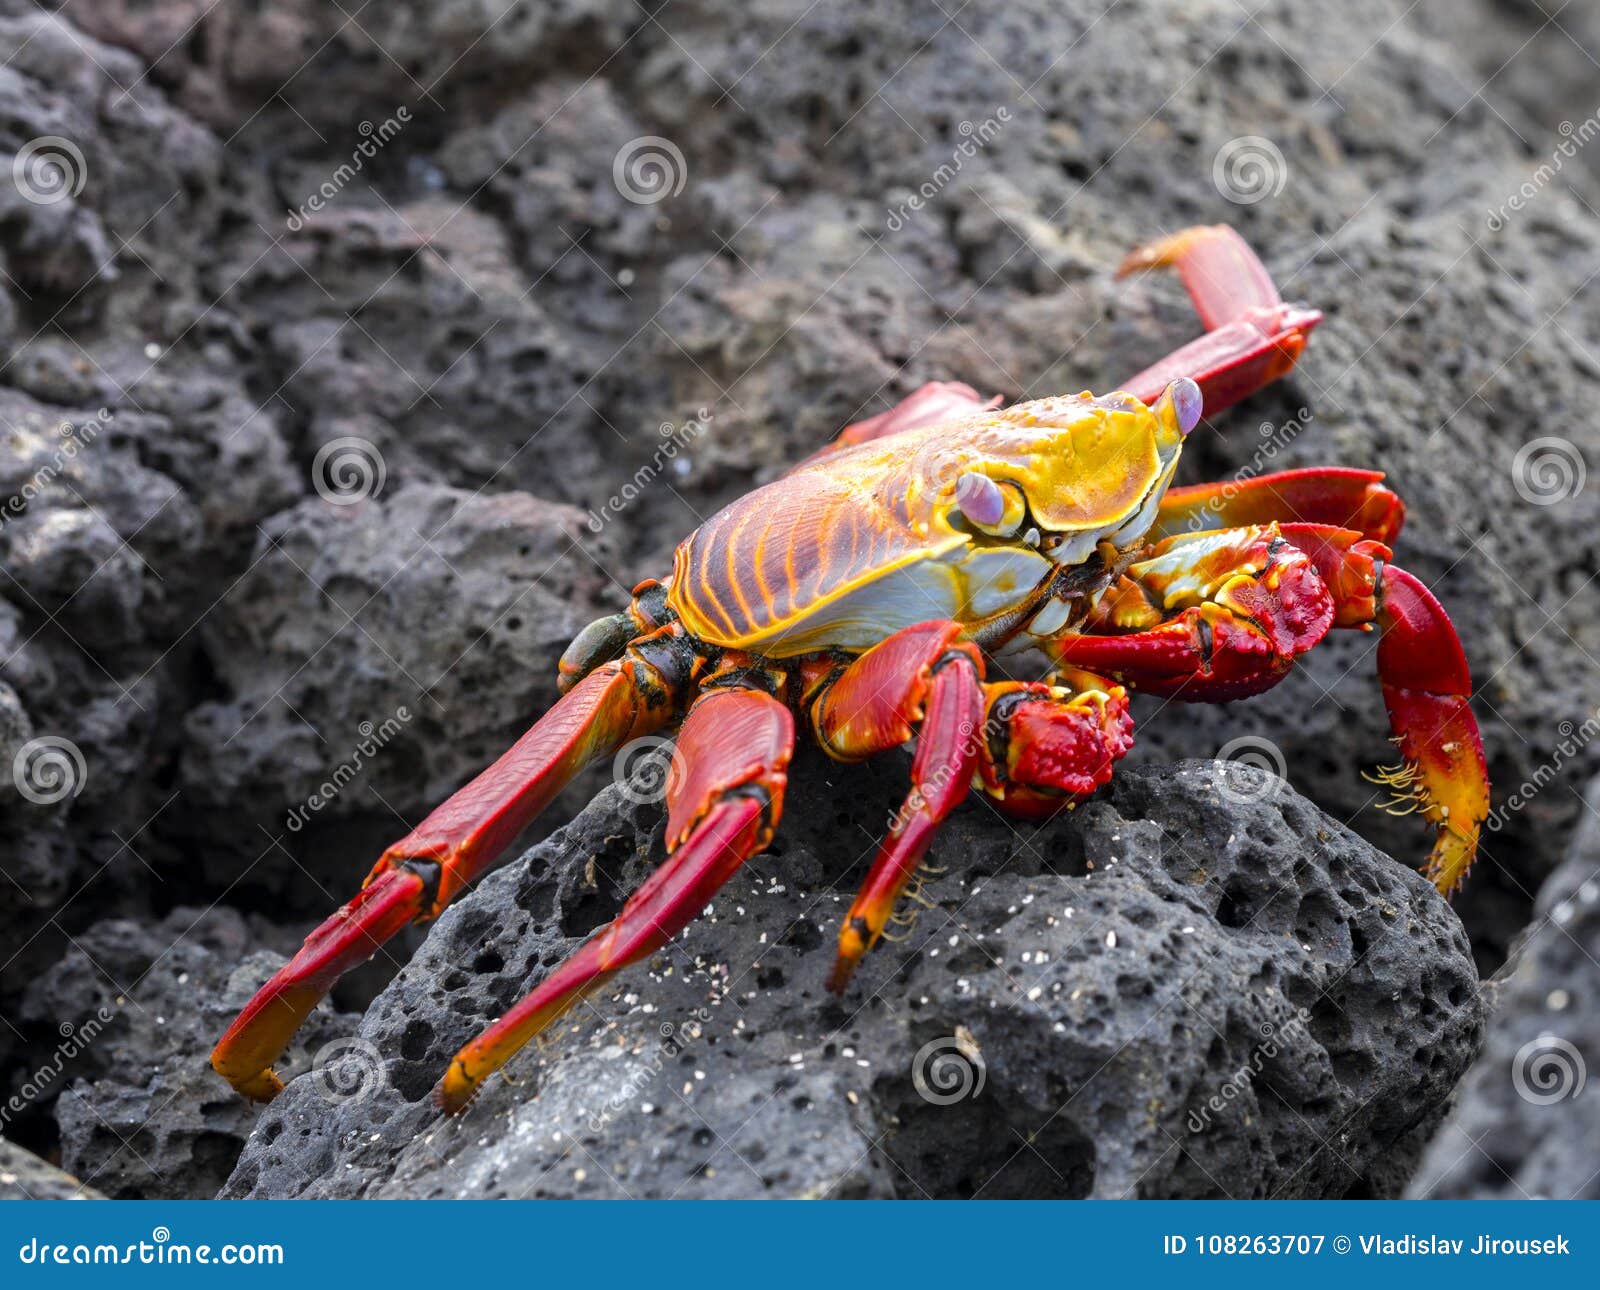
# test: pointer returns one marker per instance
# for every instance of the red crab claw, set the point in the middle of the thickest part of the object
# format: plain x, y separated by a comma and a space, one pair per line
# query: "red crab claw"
1049, 743
1259, 597
422, 873
1426, 685
1252, 337
1422, 670
722, 808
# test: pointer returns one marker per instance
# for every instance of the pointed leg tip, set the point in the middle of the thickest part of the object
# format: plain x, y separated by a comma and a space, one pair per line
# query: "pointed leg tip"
455, 1090
1447, 868
262, 1086
855, 939
1162, 251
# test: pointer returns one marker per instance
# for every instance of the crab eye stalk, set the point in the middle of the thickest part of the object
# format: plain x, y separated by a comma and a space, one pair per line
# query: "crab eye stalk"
996, 509
1180, 406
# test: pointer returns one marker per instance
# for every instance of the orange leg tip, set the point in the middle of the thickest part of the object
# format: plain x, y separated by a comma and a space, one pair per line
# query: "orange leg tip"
244, 1055
261, 1032
1444, 778
262, 1088
574, 981
1162, 250
1451, 860
1425, 688
855, 939
455, 1090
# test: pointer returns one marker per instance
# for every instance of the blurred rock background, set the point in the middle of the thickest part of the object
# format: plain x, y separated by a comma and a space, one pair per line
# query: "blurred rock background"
344, 346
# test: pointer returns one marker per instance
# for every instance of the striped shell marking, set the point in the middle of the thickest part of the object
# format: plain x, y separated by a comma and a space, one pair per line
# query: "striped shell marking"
850, 548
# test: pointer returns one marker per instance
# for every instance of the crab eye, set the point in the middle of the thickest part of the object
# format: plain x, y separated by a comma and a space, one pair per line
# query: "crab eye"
980, 499
993, 507
1185, 403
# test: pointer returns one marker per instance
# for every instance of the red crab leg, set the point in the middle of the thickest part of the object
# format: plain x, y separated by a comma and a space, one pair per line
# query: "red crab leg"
1351, 499
1252, 337
927, 405
419, 875
1286, 586
923, 677
722, 809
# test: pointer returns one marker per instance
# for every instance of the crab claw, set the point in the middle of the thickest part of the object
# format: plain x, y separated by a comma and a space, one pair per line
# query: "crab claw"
1050, 744
1426, 686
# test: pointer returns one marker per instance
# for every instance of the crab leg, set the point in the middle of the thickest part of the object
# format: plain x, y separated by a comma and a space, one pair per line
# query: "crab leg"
1252, 337
1351, 499
722, 807
1224, 614
927, 405
419, 875
924, 678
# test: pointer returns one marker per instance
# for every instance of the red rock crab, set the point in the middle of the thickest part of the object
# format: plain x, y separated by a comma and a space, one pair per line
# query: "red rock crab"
865, 598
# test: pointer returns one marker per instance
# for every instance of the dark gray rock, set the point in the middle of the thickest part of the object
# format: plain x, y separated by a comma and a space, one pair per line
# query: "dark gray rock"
484, 305
1165, 994
1527, 1123
140, 1112
23, 1176
376, 655
222, 58
132, 458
